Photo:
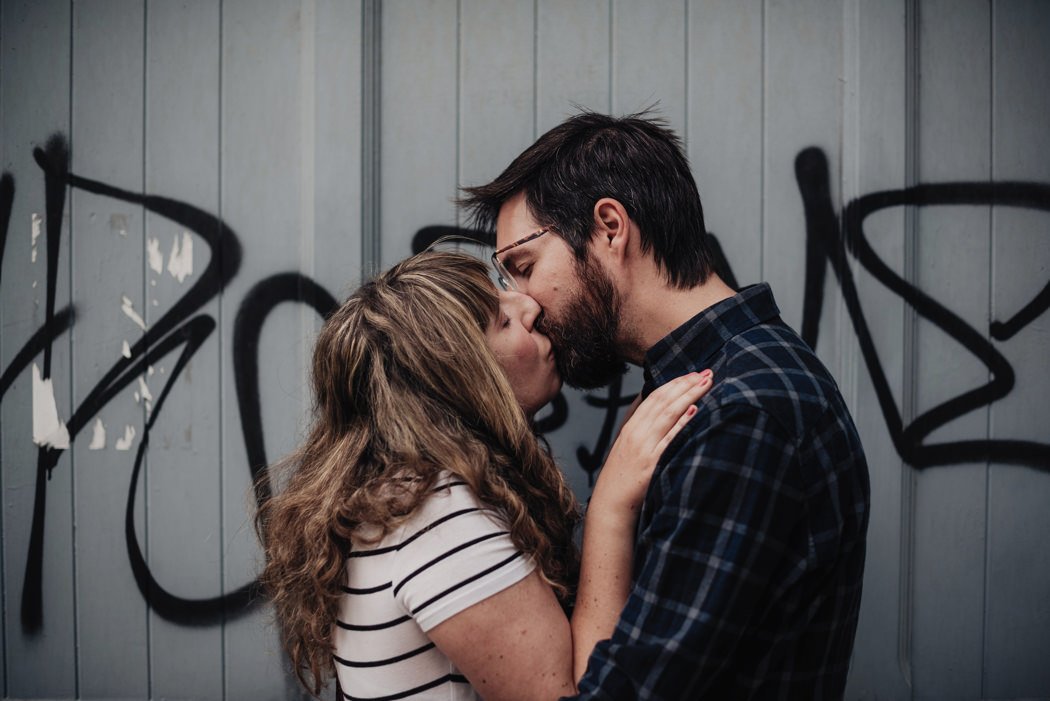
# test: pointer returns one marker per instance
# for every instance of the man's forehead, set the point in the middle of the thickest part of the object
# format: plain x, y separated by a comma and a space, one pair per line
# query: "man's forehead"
514, 221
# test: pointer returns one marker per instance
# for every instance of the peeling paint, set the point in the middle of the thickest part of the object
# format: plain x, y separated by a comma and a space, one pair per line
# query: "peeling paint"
149, 371
156, 258
48, 429
129, 310
125, 350
37, 220
98, 436
180, 262
146, 395
124, 443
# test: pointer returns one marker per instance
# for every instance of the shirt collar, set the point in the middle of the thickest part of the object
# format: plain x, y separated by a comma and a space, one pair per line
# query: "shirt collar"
691, 346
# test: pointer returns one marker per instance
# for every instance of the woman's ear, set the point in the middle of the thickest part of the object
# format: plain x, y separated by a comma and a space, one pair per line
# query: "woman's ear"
612, 226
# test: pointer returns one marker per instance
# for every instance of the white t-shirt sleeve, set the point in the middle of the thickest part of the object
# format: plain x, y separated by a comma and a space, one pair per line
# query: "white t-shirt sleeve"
454, 553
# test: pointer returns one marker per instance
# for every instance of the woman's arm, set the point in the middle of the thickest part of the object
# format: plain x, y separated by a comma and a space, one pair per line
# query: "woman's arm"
608, 535
517, 643
514, 645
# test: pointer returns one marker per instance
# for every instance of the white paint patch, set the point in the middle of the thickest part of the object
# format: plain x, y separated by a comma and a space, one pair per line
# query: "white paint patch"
129, 310
48, 429
125, 350
135, 394
98, 436
156, 258
156, 303
37, 221
118, 223
180, 262
34, 284
149, 371
129, 436
152, 283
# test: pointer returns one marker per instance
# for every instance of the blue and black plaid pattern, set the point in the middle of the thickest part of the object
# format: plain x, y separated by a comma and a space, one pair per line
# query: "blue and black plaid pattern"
750, 550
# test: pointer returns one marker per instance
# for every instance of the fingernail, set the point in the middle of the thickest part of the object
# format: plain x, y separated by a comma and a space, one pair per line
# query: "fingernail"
691, 410
707, 372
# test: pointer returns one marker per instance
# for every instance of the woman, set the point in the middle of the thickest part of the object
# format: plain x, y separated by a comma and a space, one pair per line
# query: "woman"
423, 545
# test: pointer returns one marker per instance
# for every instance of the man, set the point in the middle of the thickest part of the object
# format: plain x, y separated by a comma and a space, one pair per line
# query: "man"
750, 544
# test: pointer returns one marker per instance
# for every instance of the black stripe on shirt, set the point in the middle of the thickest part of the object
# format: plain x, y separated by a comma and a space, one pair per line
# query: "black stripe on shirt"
457, 483
442, 556
383, 663
455, 678
421, 531
465, 582
366, 590
375, 626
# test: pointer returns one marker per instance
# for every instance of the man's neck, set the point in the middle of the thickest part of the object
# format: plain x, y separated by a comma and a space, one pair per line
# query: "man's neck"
655, 310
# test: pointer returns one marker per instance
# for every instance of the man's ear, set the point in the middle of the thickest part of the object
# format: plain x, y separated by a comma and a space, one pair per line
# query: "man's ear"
612, 227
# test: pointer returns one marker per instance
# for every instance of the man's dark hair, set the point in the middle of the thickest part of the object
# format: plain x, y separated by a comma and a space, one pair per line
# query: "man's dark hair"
636, 160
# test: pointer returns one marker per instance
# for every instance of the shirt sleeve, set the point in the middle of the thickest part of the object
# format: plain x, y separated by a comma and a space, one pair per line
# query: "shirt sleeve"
724, 506
455, 553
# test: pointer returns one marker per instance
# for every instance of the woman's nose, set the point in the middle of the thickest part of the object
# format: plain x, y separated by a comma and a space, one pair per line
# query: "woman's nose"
528, 309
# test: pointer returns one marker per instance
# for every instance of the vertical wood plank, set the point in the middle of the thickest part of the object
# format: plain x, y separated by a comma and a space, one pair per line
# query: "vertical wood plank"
1017, 617
184, 525
337, 148
573, 61
875, 159
261, 181
40, 657
649, 59
108, 272
725, 125
497, 89
419, 134
803, 65
953, 259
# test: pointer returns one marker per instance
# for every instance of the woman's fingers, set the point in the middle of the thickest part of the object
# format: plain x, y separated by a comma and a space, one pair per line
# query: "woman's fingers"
661, 410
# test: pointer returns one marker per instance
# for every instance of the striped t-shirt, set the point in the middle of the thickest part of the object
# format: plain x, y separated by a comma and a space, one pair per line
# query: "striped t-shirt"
451, 554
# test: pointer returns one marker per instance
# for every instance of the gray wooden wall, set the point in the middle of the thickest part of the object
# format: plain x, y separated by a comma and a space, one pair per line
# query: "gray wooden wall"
297, 143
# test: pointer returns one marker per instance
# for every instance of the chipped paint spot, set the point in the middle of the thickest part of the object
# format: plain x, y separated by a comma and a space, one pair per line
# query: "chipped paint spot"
48, 429
156, 303
98, 436
149, 371
125, 350
135, 394
156, 258
146, 395
129, 310
180, 262
125, 442
36, 222
118, 223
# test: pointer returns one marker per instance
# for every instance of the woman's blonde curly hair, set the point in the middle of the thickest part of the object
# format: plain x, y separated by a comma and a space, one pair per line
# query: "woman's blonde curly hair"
405, 387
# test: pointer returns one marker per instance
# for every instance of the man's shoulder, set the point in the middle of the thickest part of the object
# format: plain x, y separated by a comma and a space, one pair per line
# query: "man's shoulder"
771, 368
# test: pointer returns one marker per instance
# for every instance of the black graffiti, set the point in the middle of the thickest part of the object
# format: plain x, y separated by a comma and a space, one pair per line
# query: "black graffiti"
829, 240
179, 327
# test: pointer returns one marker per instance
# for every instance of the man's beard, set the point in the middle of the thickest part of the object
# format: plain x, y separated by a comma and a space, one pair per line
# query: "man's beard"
584, 337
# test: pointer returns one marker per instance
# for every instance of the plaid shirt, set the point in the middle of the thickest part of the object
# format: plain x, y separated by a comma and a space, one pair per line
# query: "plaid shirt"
750, 547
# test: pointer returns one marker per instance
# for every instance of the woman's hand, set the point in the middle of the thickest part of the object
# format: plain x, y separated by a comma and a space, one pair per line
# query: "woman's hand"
648, 431
608, 532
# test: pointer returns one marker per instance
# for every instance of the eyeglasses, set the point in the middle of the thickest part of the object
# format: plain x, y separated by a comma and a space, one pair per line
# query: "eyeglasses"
506, 279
